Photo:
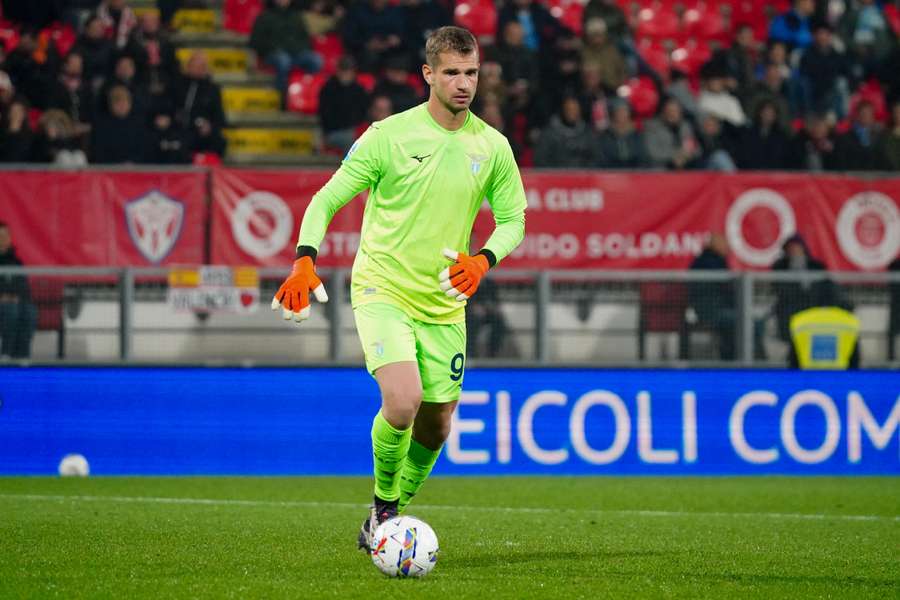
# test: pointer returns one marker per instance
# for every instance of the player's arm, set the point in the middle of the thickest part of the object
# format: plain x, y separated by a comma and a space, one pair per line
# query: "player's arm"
361, 169
506, 195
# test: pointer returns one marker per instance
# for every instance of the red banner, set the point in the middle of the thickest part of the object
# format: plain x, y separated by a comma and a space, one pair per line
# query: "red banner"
105, 218
599, 220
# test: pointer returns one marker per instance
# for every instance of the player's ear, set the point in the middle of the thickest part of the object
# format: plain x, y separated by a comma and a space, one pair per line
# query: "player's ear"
427, 73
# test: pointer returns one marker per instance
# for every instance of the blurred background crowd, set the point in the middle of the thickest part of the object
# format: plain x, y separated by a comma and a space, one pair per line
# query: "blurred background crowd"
615, 84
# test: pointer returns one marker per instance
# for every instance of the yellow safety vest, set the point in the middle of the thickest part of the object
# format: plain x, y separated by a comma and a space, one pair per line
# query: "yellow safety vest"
824, 337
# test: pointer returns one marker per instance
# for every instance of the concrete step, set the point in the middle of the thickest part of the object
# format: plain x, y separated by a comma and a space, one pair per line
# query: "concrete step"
270, 141
220, 38
282, 160
246, 99
222, 60
245, 79
276, 120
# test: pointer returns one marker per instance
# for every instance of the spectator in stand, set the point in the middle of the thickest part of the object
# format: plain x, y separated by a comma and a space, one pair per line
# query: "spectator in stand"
593, 98
71, 94
622, 145
380, 108
714, 301
491, 86
823, 71
96, 50
560, 71
118, 21
58, 141
16, 137
739, 62
422, 17
568, 142
125, 74
813, 148
669, 138
540, 27
156, 54
120, 136
280, 39
322, 17
167, 10
890, 142
519, 63
169, 142
771, 88
858, 148
615, 20
342, 106
373, 30
792, 297
600, 52
395, 84
715, 145
18, 315
765, 143
681, 89
867, 35
793, 27
715, 99
31, 65
198, 106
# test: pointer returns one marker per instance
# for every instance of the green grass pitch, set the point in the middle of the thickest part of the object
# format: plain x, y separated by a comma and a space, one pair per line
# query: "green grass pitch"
511, 537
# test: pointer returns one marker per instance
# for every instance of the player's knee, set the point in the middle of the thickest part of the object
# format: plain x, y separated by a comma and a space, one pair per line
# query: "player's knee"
400, 406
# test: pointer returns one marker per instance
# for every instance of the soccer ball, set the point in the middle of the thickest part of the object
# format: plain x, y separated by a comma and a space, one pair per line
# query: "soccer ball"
404, 547
74, 465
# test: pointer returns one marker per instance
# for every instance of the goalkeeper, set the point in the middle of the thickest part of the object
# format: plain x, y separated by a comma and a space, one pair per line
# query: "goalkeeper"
428, 170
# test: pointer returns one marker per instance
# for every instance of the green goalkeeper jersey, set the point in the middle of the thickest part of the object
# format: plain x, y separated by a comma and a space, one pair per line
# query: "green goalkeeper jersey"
426, 185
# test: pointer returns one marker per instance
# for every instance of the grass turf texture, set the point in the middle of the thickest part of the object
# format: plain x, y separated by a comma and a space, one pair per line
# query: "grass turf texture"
500, 538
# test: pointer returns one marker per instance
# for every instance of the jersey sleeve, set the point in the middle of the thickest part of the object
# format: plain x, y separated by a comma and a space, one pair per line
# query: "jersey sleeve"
361, 169
506, 195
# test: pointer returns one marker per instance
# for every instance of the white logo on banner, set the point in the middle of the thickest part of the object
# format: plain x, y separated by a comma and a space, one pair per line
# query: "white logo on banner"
734, 225
262, 224
154, 224
868, 230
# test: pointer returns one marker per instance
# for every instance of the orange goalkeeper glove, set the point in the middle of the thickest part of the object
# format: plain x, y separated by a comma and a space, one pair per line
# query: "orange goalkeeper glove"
293, 295
460, 281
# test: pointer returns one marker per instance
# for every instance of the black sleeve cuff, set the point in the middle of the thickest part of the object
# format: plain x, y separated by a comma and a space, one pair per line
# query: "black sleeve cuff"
307, 251
492, 260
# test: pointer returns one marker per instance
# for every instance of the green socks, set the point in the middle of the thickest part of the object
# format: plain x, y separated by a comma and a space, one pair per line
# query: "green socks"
416, 468
389, 448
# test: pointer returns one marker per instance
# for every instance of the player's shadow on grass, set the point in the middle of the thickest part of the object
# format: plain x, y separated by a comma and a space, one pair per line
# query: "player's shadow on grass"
481, 561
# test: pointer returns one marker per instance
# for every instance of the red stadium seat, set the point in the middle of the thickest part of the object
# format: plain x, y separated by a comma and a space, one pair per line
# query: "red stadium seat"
568, 12
206, 159
870, 91
662, 310
658, 24
706, 23
330, 48
303, 92
239, 15
9, 37
63, 36
892, 14
655, 55
479, 17
367, 80
690, 56
642, 95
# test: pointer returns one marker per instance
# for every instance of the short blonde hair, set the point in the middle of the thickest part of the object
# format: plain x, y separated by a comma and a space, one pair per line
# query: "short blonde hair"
449, 39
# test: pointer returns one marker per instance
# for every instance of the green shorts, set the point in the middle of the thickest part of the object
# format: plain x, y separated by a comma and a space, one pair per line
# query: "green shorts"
389, 335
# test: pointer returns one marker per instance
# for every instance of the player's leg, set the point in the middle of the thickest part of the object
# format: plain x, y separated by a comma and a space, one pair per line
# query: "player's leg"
388, 341
441, 350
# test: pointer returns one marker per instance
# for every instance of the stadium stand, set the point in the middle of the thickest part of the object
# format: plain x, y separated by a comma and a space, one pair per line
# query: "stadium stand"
664, 46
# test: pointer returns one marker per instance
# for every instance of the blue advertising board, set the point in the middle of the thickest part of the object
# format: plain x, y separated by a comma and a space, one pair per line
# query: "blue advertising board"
280, 421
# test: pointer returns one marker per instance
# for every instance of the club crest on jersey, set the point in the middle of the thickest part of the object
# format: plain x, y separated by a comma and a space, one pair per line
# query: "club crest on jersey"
154, 224
476, 159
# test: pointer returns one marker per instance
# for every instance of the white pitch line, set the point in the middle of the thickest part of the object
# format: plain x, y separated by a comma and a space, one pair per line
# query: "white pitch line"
504, 509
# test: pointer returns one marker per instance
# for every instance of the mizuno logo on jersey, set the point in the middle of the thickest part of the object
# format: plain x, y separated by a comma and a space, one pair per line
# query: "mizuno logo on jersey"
420, 158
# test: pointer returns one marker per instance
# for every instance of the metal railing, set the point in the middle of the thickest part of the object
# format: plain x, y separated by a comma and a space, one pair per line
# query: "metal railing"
530, 318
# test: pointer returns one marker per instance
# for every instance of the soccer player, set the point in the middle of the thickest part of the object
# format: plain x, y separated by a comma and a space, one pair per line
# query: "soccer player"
428, 170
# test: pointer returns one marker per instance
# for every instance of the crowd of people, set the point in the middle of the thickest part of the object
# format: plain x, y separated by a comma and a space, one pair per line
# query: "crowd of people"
820, 92
114, 93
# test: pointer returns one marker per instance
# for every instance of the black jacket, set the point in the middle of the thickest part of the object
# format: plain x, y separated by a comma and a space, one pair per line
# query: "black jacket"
342, 106
709, 298
14, 284
791, 298
119, 140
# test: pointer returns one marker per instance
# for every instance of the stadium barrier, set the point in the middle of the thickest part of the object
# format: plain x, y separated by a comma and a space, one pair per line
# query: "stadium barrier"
190, 421
521, 318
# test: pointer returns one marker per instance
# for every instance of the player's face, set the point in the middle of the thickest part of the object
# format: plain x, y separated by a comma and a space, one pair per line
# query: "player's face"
454, 79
